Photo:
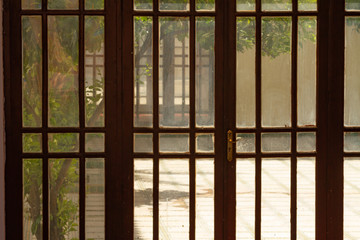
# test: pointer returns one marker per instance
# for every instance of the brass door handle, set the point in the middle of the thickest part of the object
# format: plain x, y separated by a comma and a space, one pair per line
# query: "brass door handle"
230, 144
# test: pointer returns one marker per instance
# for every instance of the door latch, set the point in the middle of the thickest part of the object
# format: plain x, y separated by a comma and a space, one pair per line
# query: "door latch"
230, 144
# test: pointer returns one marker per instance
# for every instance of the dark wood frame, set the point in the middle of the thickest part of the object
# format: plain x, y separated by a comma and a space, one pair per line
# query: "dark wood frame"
119, 72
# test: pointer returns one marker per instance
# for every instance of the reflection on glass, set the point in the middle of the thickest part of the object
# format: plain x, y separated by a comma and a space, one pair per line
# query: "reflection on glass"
276, 142
32, 199
94, 71
245, 199
143, 199
174, 96
205, 208
275, 199
352, 142
95, 199
205, 5
143, 5
351, 198
245, 72
63, 142
306, 5
276, 5
31, 71
352, 5
245, 5
30, 4
245, 142
174, 5
143, 143
306, 85
63, 4
205, 142
205, 71
276, 72
174, 143
32, 142
94, 142
63, 61
64, 198
306, 198
352, 72
94, 4
174, 195
143, 72
306, 142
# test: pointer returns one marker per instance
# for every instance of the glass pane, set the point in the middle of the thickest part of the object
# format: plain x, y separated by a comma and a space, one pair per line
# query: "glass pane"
205, 199
276, 142
143, 5
245, 199
143, 199
143, 73
30, 4
174, 195
352, 72
94, 71
306, 142
64, 198
205, 71
94, 142
32, 71
205, 142
174, 5
63, 4
63, 61
276, 72
307, 5
143, 143
32, 199
352, 5
245, 5
63, 142
352, 142
95, 199
245, 143
351, 198
306, 198
174, 99
94, 4
276, 5
207, 5
307, 62
275, 199
174, 143
245, 72
32, 142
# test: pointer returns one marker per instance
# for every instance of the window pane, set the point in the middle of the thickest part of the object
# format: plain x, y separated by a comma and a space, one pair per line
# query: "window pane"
63, 142
245, 143
32, 199
174, 143
205, 142
31, 4
351, 142
32, 71
174, 195
94, 4
63, 4
32, 142
245, 5
205, 71
276, 142
94, 71
143, 199
174, 5
95, 199
306, 142
307, 62
143, 5
205, 5
174, 73
307, 5
245, 72
143, 143
64, 198
63, 44
94, 142
352, 5
352, 71
276, 5
143, 72
276, 72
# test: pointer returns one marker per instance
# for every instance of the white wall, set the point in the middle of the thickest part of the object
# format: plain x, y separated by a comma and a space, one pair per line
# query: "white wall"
2, 137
